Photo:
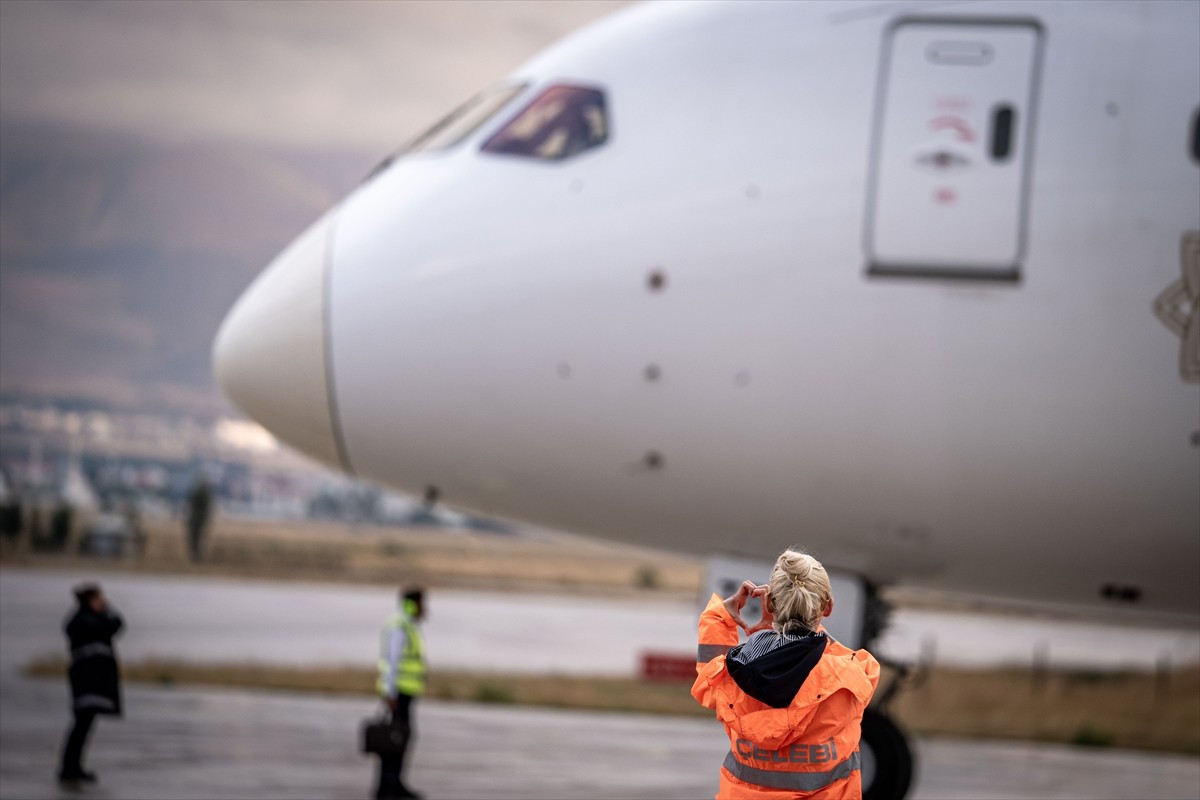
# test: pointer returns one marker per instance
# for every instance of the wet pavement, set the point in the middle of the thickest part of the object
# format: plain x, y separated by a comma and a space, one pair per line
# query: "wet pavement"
185, 743
182, 743
205, 743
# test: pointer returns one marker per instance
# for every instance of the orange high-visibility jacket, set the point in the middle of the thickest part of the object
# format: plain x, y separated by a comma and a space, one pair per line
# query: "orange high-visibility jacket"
792, 706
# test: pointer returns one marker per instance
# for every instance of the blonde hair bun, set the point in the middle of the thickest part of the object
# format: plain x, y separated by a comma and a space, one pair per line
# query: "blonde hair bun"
799, 589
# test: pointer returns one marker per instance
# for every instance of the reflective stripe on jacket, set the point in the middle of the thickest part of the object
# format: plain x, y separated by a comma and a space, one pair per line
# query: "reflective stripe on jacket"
403, 671
808, 749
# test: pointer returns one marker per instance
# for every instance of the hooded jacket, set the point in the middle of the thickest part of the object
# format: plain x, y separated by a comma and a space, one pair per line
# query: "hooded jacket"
792, 705
95, 679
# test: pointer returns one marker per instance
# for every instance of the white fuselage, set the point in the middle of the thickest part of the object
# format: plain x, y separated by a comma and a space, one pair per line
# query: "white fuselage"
489, 326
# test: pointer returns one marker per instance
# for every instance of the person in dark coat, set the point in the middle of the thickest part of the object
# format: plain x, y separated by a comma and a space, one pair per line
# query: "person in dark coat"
95, 679
199, 511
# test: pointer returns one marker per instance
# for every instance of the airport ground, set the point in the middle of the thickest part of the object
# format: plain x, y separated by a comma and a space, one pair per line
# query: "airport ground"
193, 744
494, 639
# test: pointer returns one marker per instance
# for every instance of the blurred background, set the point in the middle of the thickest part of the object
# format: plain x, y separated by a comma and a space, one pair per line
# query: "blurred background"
153, 158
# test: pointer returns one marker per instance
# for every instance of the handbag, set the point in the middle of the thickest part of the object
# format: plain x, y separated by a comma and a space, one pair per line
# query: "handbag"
379, 737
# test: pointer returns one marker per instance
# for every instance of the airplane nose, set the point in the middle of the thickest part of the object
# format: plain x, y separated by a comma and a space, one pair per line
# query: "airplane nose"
270, 355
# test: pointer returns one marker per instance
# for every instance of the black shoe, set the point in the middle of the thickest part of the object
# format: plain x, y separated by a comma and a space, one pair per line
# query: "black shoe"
406, 792
76, 776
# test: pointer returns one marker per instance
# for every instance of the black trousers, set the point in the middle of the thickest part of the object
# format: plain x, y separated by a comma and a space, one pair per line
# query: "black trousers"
390, 766
72, 757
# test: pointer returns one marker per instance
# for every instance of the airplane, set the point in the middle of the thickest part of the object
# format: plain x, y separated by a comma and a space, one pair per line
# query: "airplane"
915, 285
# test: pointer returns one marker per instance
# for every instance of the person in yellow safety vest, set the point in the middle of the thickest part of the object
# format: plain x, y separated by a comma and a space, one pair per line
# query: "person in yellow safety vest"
401, 681
791, 697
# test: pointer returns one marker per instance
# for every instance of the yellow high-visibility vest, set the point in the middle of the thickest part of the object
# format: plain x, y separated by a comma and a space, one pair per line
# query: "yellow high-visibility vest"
410, 669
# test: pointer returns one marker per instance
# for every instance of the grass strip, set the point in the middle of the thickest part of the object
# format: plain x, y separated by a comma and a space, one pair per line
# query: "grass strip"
552, 691
1128, 710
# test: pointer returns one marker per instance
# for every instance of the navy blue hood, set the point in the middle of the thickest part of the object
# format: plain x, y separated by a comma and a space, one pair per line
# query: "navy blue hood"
771, 667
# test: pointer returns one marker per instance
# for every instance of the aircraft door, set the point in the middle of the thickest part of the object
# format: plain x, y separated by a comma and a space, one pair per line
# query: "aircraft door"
951, 149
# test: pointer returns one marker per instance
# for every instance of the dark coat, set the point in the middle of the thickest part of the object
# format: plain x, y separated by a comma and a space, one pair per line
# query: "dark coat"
95, 679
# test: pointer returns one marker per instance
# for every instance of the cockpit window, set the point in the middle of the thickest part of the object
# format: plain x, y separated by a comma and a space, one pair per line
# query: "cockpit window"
466, 118
561, 122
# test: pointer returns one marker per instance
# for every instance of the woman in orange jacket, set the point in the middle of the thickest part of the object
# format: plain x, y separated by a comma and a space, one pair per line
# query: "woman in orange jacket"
791, 697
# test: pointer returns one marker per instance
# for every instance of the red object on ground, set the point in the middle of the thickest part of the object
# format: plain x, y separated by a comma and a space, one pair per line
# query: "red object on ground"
669, 667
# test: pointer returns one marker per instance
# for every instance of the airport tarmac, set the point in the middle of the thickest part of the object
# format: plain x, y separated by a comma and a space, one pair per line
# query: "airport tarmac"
184, 742
207, 619
177, 744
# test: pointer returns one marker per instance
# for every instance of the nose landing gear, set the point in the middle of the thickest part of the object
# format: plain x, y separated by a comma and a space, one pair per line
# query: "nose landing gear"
888, 764
887, 760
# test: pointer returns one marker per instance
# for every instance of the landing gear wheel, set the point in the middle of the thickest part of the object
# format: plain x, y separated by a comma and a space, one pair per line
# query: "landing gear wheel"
887, 760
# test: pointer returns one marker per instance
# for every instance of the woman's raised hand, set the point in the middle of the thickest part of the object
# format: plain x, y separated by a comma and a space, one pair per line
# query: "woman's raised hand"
736, 601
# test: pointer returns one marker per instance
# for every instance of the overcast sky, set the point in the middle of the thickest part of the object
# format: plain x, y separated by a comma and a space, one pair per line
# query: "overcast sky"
155, 155
349, 73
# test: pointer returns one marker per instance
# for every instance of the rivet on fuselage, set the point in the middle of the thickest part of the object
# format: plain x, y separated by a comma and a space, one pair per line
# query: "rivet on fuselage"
657, 280
652, 372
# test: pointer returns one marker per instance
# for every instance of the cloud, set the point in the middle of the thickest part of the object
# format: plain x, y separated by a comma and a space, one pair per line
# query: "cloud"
54, 326
70, 190
118, 259
366, 75
155, 156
